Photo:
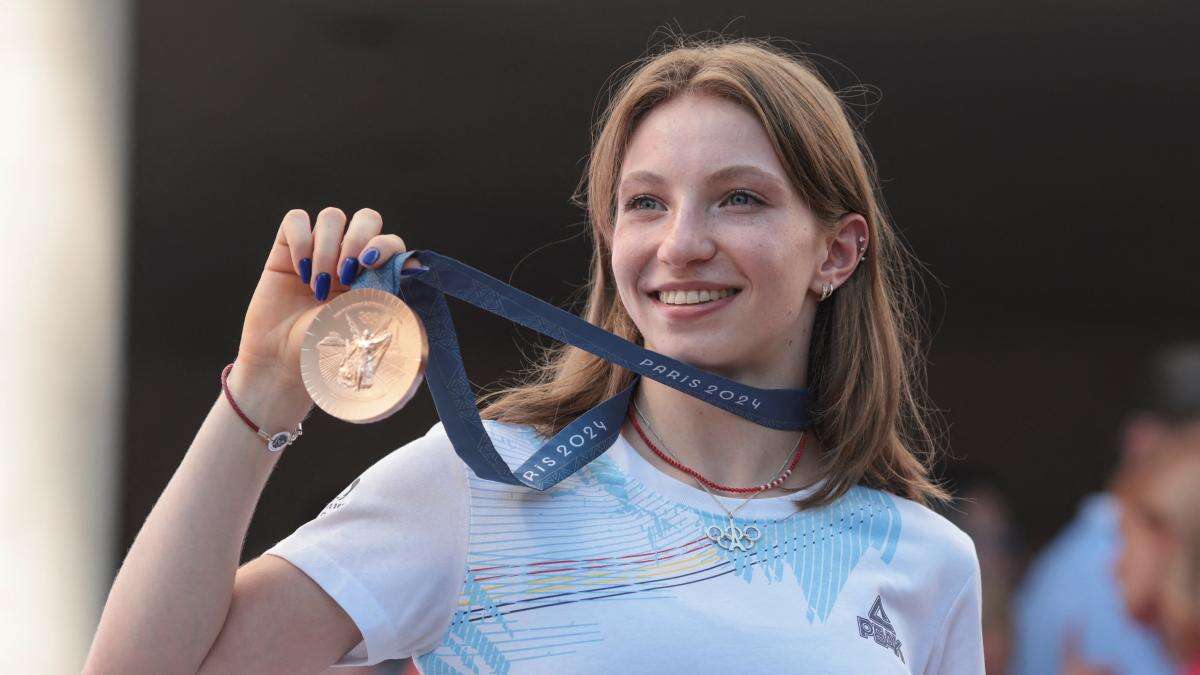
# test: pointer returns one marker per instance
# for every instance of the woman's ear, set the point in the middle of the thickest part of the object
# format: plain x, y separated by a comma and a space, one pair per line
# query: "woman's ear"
848, 244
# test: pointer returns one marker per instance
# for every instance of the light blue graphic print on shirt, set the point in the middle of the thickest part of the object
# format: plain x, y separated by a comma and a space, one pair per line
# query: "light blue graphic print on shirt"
602, 536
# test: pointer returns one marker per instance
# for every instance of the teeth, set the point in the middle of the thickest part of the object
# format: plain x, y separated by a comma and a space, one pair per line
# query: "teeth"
693, 297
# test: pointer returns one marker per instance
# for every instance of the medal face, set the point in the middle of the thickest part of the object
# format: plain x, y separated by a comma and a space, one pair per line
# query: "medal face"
363, 356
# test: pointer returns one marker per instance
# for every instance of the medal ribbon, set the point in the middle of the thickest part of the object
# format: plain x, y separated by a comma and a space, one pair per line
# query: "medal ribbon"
588, 436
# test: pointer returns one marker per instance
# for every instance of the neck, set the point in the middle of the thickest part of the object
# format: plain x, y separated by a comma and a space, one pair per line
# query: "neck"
720, 446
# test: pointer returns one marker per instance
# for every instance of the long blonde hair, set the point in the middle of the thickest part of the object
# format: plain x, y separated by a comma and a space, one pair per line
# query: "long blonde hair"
865, 373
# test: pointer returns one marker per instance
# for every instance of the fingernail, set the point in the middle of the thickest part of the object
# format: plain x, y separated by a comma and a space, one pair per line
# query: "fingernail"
349, 269
370, 256
323, 280
305, 270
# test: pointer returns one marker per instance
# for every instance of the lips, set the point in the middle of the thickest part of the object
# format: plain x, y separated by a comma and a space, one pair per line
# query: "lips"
693, 296
688, 312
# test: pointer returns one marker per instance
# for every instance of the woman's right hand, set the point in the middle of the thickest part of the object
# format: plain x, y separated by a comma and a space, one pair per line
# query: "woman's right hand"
307, 266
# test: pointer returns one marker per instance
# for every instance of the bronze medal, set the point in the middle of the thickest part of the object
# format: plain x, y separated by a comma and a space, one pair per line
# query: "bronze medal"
364, 355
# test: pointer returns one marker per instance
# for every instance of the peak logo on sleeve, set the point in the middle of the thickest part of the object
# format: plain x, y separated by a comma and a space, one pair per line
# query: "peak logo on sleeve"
877, 625
340, 499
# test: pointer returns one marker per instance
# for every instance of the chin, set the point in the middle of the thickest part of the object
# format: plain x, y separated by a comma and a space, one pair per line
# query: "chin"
712, 359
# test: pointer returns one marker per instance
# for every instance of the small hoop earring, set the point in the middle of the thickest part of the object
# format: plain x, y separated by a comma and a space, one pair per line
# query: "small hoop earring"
826, 291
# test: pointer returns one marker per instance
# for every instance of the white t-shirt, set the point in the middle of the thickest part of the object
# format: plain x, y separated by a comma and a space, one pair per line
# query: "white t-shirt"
611, 570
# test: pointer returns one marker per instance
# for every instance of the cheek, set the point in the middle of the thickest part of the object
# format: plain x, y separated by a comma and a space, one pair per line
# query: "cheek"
1131, 575
1144, 569
625, 268
785, 279
1163, 552
787, 261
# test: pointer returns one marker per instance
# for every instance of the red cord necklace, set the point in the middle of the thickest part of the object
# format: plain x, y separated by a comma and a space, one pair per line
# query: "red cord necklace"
717, 486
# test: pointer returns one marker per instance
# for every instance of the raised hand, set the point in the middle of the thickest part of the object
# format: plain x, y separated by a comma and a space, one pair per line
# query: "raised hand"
308, 265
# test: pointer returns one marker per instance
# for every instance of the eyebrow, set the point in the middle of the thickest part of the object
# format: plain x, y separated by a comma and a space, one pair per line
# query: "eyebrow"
727, 173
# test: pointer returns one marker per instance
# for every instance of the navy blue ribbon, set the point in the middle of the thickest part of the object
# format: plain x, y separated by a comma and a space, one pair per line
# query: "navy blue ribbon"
587, 437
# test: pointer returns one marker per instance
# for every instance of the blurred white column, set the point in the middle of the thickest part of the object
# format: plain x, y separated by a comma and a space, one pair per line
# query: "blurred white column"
63, 66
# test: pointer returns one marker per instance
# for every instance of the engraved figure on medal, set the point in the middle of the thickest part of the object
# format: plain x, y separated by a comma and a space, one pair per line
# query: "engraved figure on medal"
358, 355
364, 355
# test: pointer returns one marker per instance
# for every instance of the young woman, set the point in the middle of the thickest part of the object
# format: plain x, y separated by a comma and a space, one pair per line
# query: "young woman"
737, 227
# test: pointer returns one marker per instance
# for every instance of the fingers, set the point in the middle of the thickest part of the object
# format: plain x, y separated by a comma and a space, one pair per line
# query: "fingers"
330, 256
327, 243
298, 234
380, 249
293, 245
366, 224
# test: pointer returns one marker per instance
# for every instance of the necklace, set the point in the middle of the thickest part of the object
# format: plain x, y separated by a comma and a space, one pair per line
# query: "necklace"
730, 537
781, 476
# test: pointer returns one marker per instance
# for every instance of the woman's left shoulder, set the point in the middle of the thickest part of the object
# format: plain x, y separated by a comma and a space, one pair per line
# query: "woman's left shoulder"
926, 533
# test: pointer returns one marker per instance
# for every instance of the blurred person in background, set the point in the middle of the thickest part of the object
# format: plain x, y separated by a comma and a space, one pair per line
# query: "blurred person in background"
1159, 562
1068, 613
982, 511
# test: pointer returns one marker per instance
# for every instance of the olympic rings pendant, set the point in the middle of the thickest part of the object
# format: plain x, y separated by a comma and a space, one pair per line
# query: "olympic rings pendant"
734, 537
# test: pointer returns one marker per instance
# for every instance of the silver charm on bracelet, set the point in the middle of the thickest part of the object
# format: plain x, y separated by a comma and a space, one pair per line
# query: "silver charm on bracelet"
282, 439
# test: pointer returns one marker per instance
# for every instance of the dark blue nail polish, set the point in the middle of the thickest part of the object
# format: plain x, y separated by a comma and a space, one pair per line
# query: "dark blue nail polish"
323, 280
349, 270
305, 270
370, 256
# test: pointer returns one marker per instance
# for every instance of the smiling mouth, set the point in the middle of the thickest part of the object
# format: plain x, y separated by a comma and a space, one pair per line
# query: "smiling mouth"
683, 297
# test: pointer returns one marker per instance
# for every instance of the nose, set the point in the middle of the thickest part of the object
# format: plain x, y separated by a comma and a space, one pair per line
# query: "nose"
687, 239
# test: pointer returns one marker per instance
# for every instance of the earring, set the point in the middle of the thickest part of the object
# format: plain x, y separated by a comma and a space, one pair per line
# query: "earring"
862, 248
826, 291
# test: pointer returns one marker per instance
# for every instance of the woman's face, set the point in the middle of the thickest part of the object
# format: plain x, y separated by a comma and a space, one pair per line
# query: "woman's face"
714, 253
1156, 501
1142, 561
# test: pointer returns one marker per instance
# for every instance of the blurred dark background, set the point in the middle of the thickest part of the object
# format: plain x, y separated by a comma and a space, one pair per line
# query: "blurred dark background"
1039, 157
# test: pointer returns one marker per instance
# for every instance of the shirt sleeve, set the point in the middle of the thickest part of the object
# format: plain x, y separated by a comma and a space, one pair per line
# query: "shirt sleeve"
391, 549
959, 645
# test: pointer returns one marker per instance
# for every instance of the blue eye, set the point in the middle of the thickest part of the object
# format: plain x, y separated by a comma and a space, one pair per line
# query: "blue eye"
735, 198
741, 198
634, 204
